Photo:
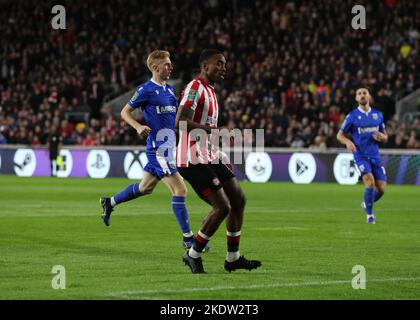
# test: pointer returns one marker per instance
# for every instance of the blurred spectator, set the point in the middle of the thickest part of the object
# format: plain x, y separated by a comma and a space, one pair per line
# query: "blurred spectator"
318, 145
54, 145
3, 139
413, 142
289, 72
90, 139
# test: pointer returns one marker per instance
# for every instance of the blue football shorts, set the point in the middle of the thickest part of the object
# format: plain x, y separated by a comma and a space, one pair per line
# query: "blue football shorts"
160, 166
368, 164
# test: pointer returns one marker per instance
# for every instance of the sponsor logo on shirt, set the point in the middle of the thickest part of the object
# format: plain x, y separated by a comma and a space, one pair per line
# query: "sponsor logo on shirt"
368, 129
136, 95
191, 95
165, 109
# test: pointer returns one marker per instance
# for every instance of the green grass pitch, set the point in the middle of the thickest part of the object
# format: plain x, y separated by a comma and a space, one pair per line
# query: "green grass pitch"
308, 238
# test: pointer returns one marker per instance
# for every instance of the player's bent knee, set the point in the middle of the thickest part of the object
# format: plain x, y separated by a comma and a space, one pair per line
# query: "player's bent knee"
180, 192
223, 210
238, 204
146, 191
369, 181
382, 189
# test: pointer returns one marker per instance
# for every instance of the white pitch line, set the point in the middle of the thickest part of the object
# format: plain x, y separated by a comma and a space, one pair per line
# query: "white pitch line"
130, 294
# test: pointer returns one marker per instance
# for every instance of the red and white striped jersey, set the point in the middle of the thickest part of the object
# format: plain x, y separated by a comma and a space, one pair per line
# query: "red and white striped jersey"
200, 97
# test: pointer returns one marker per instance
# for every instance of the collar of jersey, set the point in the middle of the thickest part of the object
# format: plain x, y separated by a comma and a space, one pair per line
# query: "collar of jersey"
366, 113
158, 84
205, 83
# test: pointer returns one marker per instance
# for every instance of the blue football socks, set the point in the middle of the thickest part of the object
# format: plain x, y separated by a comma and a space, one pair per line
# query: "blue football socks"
181, 213
369, 200
129, 193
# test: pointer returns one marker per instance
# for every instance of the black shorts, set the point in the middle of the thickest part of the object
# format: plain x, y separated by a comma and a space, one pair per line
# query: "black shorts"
206, 178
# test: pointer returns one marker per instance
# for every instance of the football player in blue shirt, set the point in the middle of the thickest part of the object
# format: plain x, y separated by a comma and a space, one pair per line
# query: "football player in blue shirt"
159, 105
367, 128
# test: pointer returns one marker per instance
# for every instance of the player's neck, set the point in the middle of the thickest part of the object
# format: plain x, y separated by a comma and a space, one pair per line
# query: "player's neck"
366, 108
158, 81
204, 76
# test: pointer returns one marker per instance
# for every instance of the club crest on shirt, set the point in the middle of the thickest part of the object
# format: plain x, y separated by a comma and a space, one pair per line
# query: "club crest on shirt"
359, 117
375, 116
211, 121
157, 91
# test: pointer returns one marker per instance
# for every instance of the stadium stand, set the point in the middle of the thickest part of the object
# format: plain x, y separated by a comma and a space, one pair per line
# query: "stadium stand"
292, 68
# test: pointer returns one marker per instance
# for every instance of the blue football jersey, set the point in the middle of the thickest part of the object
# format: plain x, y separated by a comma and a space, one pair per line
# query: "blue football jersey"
159, 106
362, 125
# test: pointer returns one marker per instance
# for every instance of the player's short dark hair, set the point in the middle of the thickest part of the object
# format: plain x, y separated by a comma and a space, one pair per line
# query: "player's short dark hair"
207, 54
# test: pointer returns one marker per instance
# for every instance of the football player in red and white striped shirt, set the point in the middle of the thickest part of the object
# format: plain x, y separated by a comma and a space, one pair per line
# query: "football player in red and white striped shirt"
215, 183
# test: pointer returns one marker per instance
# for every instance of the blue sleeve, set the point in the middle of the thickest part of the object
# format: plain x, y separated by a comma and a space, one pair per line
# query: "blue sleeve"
139, 98
382, 125
347, 124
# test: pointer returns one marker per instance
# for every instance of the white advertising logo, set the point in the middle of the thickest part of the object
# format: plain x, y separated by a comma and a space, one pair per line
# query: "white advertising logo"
302, 167
98, 164
65, 164
134, 162
24, 162
258, 167
345, 171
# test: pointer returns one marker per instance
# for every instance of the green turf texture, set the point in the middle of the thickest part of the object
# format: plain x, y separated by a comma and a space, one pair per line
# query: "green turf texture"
308, 238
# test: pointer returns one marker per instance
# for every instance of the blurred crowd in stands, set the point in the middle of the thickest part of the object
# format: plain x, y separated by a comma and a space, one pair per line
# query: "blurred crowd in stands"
293, 67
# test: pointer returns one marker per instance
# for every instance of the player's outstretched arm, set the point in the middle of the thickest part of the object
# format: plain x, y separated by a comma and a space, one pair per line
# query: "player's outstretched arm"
344, 140
186, 114
128, 118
